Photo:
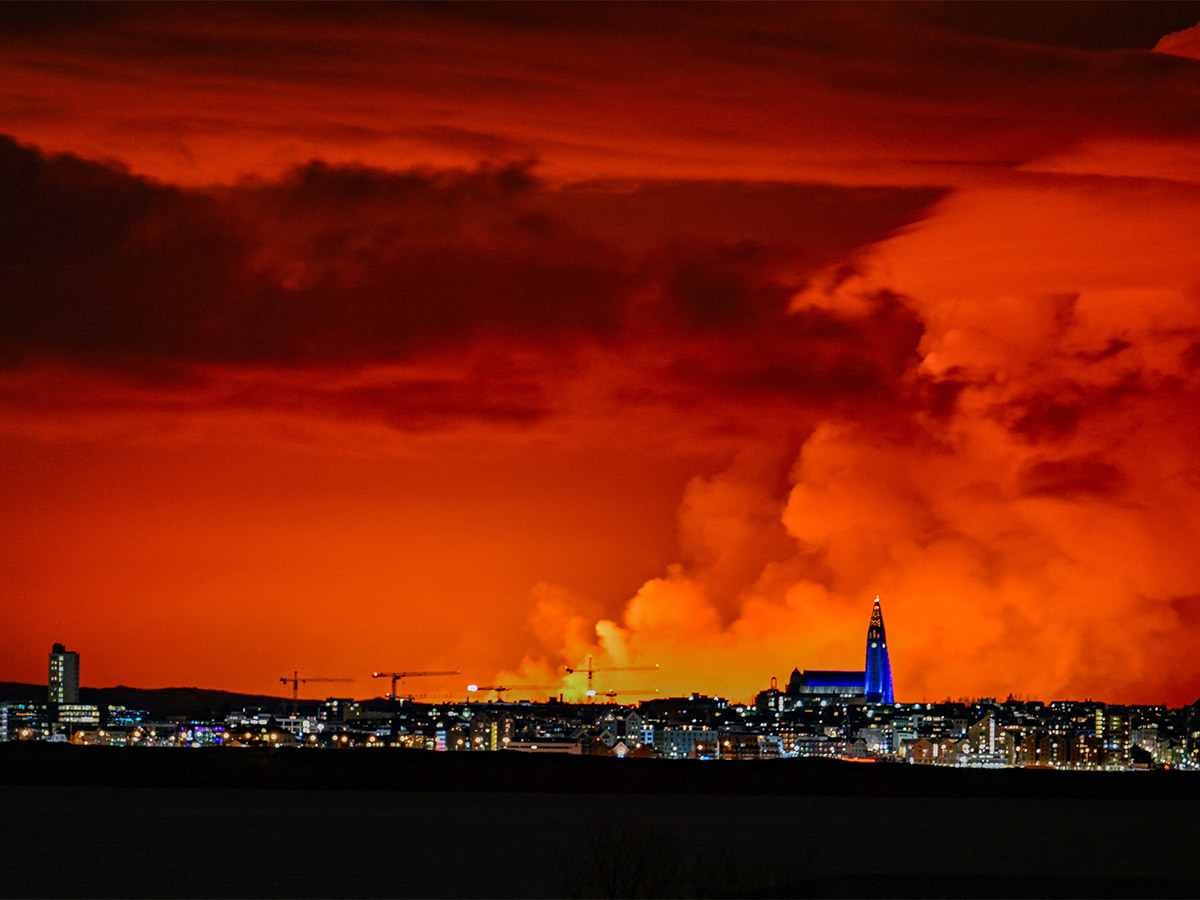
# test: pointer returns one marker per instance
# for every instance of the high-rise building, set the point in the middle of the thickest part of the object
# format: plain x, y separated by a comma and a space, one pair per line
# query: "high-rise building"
64, 675
879, 667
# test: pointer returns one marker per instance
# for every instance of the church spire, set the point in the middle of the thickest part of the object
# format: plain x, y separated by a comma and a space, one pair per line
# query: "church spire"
879, 668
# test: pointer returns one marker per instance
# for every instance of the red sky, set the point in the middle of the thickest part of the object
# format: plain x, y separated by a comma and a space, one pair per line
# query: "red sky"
346, 338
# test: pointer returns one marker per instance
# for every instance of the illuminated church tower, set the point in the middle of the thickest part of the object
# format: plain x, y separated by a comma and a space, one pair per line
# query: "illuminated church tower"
879, 669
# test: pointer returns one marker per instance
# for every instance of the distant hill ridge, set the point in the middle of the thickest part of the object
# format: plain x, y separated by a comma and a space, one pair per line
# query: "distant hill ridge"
171, 701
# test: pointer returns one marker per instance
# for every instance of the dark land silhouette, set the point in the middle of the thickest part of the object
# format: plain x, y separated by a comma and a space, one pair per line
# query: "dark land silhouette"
171, 822
169, 701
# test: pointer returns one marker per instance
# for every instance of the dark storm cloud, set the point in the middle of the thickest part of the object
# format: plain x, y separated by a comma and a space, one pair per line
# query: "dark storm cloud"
1083, 24
968, 96
386, 263
436, 398
822, 222
722, 289
1187, 608
109, 267
98, 263
478, 144
324, 189
1054, 414
38, 19
350, 265
744, 89
1073, 478
1045, 417
1191, 356
1114, 347
810, 359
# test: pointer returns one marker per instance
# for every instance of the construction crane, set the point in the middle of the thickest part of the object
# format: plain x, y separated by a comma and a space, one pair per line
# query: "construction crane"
296, 681
501, 688
400, 676
592, 670
611, 694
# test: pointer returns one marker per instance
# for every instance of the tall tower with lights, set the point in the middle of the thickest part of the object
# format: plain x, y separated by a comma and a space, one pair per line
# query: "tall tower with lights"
879, 667
64, 675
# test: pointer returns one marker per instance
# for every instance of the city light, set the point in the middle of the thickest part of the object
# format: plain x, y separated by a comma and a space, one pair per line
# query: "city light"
832, 714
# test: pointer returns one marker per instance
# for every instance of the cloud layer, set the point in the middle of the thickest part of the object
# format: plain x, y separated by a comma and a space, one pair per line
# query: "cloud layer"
397, 295
896, 299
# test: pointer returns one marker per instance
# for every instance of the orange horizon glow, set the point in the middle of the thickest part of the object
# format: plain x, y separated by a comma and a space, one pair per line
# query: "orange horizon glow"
493, 338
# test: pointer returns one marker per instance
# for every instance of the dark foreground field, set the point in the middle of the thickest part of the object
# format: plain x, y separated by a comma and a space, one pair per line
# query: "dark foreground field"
99, 822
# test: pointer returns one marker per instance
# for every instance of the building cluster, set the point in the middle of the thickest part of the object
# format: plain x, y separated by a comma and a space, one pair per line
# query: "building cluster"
834, 714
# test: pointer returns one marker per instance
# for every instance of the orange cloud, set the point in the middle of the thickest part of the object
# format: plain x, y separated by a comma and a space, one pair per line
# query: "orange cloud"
495, 337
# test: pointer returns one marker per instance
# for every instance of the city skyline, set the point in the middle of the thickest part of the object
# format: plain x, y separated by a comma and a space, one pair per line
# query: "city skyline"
848, 715
871, 685
502, 339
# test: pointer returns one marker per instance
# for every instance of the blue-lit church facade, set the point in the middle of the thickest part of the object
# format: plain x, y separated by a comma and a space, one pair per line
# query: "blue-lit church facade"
873, 683
878, 675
